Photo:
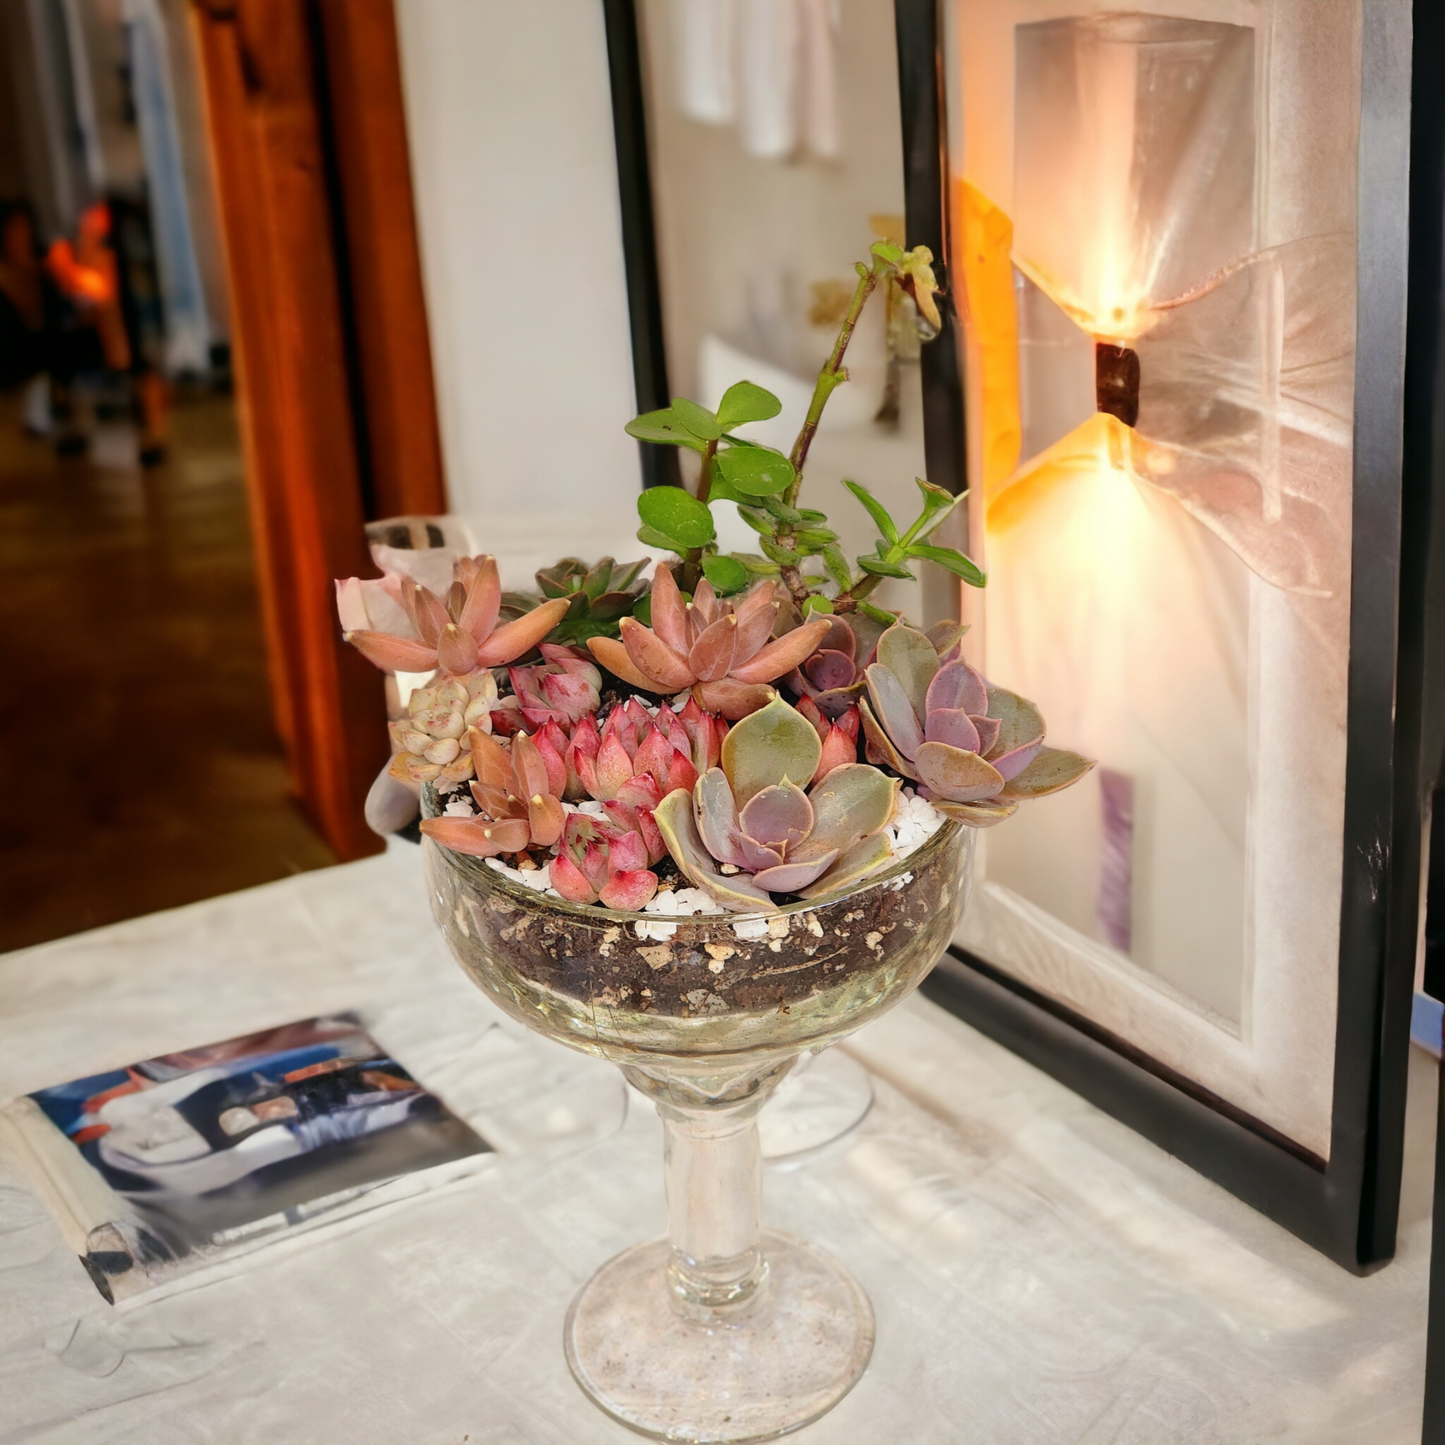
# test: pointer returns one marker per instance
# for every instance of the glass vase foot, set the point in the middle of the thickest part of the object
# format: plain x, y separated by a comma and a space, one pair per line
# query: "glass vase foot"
824, 1098
789, 1359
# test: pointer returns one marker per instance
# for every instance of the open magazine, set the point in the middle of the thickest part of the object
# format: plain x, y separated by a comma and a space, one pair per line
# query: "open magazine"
179, 1161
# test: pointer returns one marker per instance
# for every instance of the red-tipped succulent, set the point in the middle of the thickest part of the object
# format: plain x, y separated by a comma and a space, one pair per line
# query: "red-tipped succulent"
563, 688
977, 751
519, 798
839, 737
600, 863
636, 760
724, 651
401, 626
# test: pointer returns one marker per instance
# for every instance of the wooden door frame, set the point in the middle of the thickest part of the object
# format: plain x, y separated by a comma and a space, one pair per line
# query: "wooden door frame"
333, 364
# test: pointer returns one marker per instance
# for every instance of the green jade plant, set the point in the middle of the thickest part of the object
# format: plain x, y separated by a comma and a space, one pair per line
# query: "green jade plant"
797, 545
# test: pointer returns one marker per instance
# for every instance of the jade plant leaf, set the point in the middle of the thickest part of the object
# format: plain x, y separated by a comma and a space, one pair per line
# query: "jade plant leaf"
676, 514
726, 574
664, 426
697, 419
757, 471
954, 561
772, 745
744, 401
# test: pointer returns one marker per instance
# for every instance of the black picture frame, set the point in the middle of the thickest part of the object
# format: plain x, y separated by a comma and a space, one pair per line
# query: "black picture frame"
1346, 1207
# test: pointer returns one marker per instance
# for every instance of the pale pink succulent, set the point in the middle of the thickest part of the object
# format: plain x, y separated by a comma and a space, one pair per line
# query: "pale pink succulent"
430, 743
749, 829
831, 677
563, 688
520, 802
600, 863
977, 751
401, 626
724, 651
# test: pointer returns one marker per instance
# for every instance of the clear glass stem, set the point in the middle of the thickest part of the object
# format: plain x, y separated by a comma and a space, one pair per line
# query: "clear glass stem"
714, 1166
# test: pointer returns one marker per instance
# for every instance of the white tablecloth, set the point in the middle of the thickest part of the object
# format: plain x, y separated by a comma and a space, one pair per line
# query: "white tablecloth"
1040, 1274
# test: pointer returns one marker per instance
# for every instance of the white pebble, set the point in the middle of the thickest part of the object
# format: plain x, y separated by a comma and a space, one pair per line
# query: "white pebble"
459, 808
654, 928
751, 927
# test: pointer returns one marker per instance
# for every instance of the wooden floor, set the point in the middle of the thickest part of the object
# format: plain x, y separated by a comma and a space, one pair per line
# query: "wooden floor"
139, 765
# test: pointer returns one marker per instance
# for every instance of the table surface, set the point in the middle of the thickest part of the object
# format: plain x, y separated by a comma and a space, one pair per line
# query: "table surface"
1040, 1273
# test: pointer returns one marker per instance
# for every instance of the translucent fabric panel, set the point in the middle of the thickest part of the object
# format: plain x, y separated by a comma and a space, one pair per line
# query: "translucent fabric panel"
1173, 593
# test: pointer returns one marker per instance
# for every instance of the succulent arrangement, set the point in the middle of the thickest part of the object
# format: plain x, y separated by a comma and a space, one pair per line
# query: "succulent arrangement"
697, 721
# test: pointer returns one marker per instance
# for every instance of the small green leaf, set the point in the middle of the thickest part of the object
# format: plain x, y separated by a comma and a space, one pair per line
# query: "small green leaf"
781, 555
719, 491
956, 562
642, 609
676, 513
697, 419
782, 511
666, 427
934, 497
878, 614
876, 510
816, 606
726, 575
651, 537
744, 402
758, 520
887, 251
809, 515
880, 568
758, 471
816, 537
757, 566
837, 565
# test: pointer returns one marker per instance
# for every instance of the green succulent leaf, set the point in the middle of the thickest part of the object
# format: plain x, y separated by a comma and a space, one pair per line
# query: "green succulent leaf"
876, 510
595, 583
726, 574
782, 511
642, 609
887, 251
955, 561
758, 520
878, 614
758, 471
664, 426
773, 745
880, 567
934, 498
815, 538
757, 566
781, 555
837, 565
651, 537
744, 401
816, 606
676, 513
808, 514
697, 419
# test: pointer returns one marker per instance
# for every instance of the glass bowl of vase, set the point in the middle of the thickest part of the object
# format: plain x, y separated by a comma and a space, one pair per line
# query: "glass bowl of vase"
723, 1331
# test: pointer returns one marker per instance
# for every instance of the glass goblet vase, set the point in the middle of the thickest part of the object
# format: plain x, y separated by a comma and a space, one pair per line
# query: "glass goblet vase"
723, 1331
